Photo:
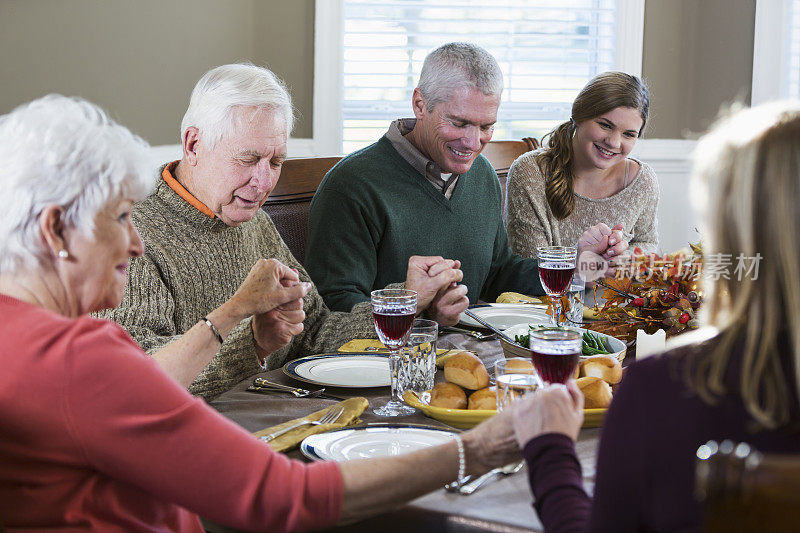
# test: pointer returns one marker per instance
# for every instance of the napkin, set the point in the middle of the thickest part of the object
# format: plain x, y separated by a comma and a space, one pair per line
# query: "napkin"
353, 407
517, 298
361, 345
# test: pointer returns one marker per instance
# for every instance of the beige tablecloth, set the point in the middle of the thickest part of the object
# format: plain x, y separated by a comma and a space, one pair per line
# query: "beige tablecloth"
502, 506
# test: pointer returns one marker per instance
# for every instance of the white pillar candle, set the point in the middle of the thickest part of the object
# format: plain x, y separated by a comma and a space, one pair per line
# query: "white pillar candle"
647, 345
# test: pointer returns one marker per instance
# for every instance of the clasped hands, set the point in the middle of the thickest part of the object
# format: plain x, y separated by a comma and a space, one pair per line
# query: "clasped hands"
436, 281
273, 295
608, 243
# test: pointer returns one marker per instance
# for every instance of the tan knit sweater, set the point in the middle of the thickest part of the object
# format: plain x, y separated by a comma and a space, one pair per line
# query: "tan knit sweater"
191, 265
532, 224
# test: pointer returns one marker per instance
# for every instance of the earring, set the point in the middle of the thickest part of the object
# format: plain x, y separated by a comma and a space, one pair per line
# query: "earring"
63, 254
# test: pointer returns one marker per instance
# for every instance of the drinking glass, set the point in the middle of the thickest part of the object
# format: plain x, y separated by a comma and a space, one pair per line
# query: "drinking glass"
556, 267
555, 352
577, 290
393, 311
515, 378
417, 369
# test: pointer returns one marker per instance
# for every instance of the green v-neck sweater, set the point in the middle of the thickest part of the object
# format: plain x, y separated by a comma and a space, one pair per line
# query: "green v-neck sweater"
373, 211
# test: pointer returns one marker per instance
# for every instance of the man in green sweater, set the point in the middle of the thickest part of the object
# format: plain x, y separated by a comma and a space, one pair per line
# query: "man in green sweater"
204, 230
424, 189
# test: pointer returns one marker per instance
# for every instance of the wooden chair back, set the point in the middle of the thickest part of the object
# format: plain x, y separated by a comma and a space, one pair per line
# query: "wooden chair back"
501, 154
744, 490
290, 201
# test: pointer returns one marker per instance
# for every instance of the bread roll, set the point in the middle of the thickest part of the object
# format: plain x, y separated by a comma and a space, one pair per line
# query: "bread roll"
449, 396
605, 367
467, 370
484, 399
519, 366
596, 392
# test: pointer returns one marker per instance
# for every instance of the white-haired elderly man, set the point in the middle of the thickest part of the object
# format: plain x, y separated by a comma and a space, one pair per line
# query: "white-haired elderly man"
203, 230
423, 189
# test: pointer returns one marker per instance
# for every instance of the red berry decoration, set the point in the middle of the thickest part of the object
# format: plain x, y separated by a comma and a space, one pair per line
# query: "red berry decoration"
638, 302
684, 318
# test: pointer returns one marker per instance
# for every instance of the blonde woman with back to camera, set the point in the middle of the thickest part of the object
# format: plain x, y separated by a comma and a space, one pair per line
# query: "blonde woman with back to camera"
735, 378
584, 178
95, 435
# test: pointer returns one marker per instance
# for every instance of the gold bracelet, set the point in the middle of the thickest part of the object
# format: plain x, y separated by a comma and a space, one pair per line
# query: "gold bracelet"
214, 329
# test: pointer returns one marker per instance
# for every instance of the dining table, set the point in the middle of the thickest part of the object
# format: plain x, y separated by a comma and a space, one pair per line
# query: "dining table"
503, 506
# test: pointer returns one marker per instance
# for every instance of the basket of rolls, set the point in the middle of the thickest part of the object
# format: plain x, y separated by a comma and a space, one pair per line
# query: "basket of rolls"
466, 397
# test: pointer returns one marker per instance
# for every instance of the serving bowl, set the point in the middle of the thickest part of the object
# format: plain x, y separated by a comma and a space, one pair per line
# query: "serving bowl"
617, 347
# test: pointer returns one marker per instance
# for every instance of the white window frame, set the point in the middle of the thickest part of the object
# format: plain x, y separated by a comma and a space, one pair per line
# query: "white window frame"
769, 51
329, 65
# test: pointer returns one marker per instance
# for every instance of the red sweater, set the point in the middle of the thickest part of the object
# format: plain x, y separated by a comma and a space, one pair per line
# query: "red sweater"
94, 436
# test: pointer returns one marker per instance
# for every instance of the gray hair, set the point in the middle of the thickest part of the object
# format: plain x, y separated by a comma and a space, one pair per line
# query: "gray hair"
456, 65
222, 89
62, 151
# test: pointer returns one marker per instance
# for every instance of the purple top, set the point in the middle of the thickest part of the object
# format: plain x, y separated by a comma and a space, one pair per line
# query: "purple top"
645, 463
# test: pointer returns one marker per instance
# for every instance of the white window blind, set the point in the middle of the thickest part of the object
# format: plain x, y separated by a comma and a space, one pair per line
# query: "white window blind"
547, 50
793, 68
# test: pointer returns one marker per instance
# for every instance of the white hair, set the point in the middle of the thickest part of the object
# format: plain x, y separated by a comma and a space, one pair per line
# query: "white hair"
67, 152
456, 65
222, 89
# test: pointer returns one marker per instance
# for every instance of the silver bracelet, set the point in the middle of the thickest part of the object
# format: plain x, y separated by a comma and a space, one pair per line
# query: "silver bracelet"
214, 329
462, 462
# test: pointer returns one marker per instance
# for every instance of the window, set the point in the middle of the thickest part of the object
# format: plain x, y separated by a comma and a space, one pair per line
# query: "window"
547, 50
776, 50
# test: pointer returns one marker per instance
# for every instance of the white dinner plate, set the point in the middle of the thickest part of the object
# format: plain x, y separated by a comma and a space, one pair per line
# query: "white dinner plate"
378, 440
353, 370
503, 316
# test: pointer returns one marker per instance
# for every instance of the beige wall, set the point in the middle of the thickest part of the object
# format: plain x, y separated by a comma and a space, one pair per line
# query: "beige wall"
140, 59
135, 58
697, 57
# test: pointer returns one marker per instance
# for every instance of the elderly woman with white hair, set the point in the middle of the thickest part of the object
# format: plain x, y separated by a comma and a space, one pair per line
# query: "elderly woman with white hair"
94, 434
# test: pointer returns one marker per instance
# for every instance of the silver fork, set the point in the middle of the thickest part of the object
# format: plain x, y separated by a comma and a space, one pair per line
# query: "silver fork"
328, 418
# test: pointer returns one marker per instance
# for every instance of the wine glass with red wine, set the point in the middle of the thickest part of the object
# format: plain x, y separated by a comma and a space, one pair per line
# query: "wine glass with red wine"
556, 267
555, 353
393, 311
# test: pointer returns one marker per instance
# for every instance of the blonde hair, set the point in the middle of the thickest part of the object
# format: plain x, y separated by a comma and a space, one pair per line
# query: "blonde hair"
603, 93
748, 169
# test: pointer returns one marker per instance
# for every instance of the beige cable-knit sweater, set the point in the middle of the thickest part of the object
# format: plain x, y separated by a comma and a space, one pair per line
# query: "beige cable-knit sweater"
191, 265
531, 222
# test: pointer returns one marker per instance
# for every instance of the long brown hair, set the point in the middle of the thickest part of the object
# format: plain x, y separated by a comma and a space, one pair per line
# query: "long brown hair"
603, 93
747, 172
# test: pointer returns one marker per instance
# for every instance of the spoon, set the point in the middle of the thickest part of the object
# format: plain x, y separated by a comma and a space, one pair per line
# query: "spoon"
488, 477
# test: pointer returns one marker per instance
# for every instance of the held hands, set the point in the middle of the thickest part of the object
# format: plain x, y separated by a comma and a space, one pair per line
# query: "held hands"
273, 294
554, 409
436, 281
605, 242
492, 443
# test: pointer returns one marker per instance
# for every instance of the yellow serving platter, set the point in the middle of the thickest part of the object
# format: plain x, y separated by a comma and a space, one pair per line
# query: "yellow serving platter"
467, 418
